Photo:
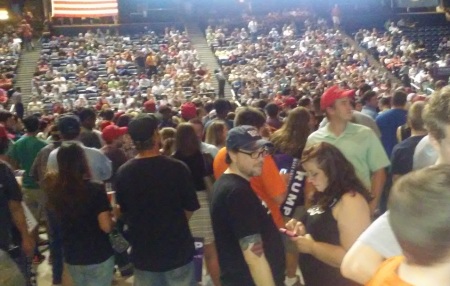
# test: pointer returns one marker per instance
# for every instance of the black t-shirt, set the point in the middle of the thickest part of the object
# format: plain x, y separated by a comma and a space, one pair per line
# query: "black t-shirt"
9, 191
153, 194
236, 213
117, 157
84, 242
403, 154
196, 165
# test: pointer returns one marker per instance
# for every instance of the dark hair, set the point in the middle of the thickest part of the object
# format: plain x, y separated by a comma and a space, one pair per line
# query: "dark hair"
261, 104
419, 215
107, 114
291, 137
5, 115
304, 101
31, 123
208, 107
4, 144
186, 140
272, 109
66, 189
340, 172
399, 98
222, 106
123, 120
385, 101
364, 88
86, 113
249, 116
54, 133
367, 96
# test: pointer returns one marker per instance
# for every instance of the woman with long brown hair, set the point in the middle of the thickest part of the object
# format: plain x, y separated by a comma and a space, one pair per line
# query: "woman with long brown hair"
83, 211
188, 150
289, 142
340, 213
291, 138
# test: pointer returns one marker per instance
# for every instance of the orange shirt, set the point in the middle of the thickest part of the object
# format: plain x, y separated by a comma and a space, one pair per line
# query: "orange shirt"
386, 274
267, 187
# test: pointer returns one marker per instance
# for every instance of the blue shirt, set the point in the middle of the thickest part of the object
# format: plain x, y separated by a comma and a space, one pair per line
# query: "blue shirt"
99, 164
370, 111
388, 122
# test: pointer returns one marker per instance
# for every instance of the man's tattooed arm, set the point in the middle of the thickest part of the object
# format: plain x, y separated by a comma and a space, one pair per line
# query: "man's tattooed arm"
254, 243
253, 251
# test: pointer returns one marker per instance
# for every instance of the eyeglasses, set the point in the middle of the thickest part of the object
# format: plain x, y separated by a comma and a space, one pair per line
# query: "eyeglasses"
258, 154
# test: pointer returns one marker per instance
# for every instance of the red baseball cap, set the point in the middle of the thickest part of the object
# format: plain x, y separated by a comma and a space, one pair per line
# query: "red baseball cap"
188, 110
4, 133
351, 93
290, 101
150, 106
331, 95
112, 132
104, 124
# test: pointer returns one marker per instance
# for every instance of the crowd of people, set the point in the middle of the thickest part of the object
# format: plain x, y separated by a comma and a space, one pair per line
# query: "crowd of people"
294, 60
137, 167
10, 49
103, 70
412, 60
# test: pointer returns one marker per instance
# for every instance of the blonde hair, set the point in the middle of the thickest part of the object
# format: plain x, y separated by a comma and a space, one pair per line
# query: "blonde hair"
215, 133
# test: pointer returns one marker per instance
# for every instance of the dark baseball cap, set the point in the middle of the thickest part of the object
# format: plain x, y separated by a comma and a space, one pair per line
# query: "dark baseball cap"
69, 125
245, 137
143, 127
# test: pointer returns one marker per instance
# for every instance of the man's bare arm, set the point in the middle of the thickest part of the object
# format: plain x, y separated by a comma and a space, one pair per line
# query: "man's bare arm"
253, 251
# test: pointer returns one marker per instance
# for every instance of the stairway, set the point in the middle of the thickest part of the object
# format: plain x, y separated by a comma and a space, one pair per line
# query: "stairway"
205, 54
26, 68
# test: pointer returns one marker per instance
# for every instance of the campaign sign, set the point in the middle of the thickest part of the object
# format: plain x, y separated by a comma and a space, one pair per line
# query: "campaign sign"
198, 258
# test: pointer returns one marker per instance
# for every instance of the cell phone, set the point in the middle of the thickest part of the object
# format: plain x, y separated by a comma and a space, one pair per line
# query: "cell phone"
288, 232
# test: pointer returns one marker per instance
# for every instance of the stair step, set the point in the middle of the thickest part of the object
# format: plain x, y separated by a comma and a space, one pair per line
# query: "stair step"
205, 53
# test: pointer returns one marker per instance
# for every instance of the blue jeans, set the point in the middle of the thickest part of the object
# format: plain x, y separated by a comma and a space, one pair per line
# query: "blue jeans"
55, 238
94, 274
183, 276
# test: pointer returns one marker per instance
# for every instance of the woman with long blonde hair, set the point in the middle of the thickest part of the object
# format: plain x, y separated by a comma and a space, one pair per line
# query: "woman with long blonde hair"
216, 133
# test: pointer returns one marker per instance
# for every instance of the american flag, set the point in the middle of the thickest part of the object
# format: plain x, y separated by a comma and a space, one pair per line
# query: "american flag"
84, 8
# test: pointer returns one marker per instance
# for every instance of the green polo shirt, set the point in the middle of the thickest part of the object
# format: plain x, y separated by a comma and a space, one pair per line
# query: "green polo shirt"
24, 151
360, 146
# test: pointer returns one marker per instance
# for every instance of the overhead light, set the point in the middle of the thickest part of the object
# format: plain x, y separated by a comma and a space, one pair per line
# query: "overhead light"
4, 15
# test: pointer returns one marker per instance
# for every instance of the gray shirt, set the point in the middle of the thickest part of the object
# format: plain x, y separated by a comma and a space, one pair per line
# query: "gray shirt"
99, 164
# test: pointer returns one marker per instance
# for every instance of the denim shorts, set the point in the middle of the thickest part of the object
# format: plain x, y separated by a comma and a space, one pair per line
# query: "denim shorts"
182, 276
94, 274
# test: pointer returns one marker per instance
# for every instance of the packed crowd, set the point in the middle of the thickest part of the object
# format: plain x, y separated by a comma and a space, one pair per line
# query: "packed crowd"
289, 60
104, 70
296, 178
411, 54
10, 48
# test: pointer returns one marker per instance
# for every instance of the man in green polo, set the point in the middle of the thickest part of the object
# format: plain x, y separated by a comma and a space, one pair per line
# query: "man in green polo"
358, 143
22, 154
